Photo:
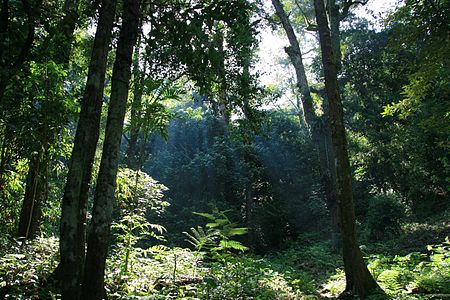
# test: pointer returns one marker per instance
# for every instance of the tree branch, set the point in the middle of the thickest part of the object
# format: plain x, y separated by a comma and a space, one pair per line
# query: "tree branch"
310, 26
347, 5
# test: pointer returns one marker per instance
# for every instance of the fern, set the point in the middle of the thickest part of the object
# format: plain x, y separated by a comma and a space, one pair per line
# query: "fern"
216, 236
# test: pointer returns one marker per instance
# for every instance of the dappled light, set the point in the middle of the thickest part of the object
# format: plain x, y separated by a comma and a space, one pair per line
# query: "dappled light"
225, 149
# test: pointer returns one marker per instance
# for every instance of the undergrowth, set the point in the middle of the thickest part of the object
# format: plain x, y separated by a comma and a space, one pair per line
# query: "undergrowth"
301, 271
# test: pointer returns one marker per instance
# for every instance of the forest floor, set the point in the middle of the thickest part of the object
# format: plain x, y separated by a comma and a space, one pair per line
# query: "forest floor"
412, 265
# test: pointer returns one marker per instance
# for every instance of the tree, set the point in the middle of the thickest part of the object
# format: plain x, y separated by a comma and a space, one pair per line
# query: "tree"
99, 233
73, 218
37, 179
318, 126
359, 281
397, 113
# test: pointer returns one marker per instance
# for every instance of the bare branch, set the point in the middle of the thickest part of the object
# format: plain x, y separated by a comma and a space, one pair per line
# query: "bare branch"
310, 26
347, 5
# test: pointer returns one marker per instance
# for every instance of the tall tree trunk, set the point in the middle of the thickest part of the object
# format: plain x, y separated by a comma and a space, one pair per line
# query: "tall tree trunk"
318, 128
132, 156
36, 190
99, 235
224, 105
73, 218
248, 193
359, 280
334, 20
3, 158
64, 39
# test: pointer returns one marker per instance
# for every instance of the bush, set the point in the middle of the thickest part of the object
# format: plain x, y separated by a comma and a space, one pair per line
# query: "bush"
27, 267
249, 278
434, 275
384, 216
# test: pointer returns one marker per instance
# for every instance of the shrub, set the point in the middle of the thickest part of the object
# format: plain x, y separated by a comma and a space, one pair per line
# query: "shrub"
25, 270
384, 216
434, 275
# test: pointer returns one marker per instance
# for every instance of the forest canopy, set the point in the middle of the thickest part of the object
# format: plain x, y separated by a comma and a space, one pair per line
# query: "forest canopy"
163, 149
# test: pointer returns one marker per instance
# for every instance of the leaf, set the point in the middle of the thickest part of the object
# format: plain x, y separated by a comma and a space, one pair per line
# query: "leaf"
212, 225
205, 215
238, 231
230, 244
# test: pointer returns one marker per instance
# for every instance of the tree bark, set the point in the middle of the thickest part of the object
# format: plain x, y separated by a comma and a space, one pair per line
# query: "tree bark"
318, 128
333, 13
3, 160
36, 190
132, 156
359, 281
35, 195
99, 235
73, 218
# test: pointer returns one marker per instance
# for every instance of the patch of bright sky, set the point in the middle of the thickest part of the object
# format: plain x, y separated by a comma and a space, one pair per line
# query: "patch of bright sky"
272, 45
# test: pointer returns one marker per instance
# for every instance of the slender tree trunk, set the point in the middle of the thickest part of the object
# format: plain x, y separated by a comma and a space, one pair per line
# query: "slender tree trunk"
35, 196
73, 218
36, 190
3, 159
132, 158
359, 280
224, 106
99, 235
318, 128
248, 193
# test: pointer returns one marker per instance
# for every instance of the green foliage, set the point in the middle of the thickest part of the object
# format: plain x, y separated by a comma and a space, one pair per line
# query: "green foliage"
335, 283
163, 272
301, 271
384, 215
137, 193
12, 188
36, 111
217, 238
435, 275
158, 272
393, 152
244, 278
25, 268
151, 113
415, 272
205, 168
425, 28
129, 231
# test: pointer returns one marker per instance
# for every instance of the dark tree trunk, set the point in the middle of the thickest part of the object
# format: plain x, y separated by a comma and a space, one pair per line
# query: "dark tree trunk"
224, 105
333, 13
3, 159
318, 128
132, 155
99, 235
73, 218
359, 280
65, 37
36, 192
248, 193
